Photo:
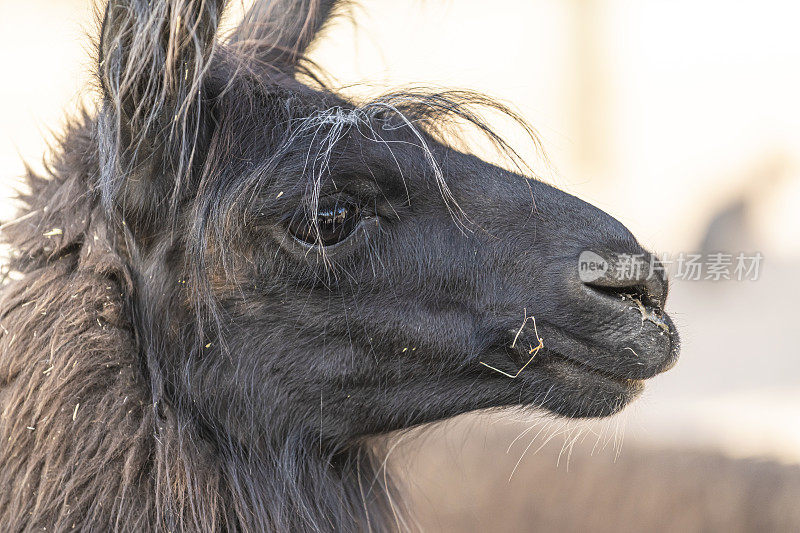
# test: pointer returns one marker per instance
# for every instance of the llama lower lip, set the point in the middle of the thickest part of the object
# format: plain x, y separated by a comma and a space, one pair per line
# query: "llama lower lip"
562, 360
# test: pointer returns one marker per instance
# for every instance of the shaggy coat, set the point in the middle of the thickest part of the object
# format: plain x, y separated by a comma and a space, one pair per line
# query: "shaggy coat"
232, 278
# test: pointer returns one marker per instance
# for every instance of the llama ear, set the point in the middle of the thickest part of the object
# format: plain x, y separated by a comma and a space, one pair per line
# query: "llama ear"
154, 57
279, 32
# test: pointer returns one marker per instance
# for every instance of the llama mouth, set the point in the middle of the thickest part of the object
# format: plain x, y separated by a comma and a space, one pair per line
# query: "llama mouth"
611, 364
549, 359
566, 386
640, 349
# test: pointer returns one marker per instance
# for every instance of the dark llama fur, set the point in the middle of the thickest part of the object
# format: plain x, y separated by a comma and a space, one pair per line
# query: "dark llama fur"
233, 278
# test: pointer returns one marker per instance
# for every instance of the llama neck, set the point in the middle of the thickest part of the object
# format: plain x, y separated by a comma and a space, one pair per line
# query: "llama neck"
299, 490
292, 488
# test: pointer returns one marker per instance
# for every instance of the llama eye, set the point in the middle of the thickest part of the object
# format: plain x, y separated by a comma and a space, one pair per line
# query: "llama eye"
333, 224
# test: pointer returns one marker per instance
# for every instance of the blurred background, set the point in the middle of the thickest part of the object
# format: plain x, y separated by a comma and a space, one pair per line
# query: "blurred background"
679, 118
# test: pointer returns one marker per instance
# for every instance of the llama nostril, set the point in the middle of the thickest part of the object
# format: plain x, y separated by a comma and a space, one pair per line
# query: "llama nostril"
647, 282
644, 293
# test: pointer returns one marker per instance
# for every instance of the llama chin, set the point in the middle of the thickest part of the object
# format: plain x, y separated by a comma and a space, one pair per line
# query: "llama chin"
233, 279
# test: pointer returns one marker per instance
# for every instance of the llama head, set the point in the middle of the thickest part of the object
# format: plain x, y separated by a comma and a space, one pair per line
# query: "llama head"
307, 265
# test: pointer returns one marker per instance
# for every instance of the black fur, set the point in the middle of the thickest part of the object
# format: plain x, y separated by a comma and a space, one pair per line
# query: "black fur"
174, 359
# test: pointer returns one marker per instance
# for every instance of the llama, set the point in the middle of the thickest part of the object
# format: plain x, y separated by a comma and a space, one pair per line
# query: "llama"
233, 278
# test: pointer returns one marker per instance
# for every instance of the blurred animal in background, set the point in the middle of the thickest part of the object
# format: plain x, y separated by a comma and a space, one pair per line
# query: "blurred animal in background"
763, 192
232, 278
